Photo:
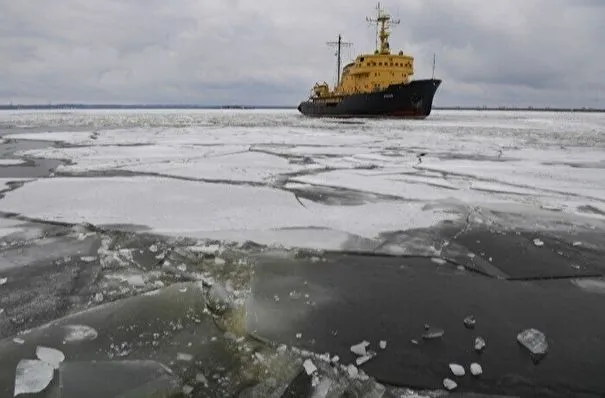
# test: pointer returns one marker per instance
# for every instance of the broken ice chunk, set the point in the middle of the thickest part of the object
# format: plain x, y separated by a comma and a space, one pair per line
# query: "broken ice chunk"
382, 344
476, 369
98, 297
309, 366
219, 299
219, 261
352, 371
18, 340
457, 370
470, 322
363, 359
51, 356
299, 335
577, 243
75, 333
534, 341
360, 348
538, 242
153, 248
32, 376
3, 281
187, 389
181, 356
88, 259
449, 384
200, 378
433, 333
480, 344
438, 260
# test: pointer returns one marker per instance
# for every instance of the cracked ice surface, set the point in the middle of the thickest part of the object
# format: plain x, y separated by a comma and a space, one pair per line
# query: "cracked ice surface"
312, 182
196, 209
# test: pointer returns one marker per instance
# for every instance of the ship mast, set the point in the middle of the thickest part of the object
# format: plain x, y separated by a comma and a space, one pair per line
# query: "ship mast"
384, 21
339, 45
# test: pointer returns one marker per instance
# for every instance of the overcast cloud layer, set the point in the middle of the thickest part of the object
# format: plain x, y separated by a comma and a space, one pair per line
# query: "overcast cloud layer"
270, 52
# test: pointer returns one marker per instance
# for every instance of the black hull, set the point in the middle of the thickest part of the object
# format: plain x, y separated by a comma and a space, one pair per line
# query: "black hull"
410, 100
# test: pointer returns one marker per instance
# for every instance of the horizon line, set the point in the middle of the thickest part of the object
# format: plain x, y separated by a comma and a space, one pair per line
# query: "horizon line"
251, 107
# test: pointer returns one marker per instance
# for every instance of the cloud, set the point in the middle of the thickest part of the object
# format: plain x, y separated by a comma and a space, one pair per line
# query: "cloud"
502, 52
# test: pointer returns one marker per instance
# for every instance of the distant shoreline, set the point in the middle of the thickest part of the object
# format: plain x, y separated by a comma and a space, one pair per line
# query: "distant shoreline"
176, 107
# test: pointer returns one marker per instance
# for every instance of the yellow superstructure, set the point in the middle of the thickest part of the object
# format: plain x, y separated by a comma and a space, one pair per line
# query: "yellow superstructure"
371, 72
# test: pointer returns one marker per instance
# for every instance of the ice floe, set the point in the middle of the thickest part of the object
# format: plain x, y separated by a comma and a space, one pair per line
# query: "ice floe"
32, 376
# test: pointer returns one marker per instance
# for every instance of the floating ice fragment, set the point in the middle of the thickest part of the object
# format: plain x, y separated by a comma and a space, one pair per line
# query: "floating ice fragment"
433, 333
200, 378
363, 359
3, 281
360, 348
457, 370
438, 260
51, 356
449, 384
538, 242
282, 348
219, 299
480, 344
187, 389
310, 367
335, 359
75, 333
470, 322
352, 371
260, 357
414, 341
88, 259
219, 261
153, 248
298, 335
476, 369
18, 340
577, 243
534, 341
182, 267
98, 297
181, 356
32, 376
382, 344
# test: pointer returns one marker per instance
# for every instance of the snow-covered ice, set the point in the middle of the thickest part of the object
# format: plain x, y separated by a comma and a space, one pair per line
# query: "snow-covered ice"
198, 209
79, 333
11, 162
534, 340
278, 178
32, 376
457, 370
52, 356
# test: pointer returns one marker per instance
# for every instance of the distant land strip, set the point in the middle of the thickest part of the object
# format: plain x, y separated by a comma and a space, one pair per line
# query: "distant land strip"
193, 106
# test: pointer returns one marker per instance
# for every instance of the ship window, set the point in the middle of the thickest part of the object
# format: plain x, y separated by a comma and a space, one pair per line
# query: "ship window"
380, 64
361, 59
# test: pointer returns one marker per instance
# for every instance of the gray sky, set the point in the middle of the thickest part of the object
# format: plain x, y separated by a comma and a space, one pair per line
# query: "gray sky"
510, 52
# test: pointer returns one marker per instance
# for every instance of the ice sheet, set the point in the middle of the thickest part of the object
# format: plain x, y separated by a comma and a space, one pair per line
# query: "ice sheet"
11, 162
535, 160
193, 208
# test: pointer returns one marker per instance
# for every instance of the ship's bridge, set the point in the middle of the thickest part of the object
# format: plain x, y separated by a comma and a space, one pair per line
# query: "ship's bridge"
372, 72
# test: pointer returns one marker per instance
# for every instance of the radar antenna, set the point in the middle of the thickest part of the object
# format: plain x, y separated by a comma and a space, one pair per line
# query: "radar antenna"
339, 45
383, 22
